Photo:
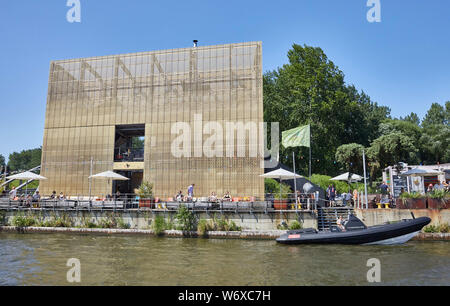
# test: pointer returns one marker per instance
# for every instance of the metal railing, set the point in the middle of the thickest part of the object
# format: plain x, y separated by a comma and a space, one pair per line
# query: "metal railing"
123, 202
128, 155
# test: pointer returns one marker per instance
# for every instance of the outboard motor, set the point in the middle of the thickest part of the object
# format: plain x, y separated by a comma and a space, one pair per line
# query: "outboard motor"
354, 224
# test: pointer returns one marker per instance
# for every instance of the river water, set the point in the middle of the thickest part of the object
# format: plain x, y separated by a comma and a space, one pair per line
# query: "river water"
40, 259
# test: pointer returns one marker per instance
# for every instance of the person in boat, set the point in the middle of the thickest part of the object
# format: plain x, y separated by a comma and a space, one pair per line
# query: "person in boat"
340, 223
227, 197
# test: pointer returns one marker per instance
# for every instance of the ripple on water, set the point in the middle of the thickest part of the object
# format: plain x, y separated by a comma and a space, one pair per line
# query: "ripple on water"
138, 260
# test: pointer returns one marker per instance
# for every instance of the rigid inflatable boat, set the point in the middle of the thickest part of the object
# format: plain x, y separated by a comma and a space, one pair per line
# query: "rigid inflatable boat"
356, 232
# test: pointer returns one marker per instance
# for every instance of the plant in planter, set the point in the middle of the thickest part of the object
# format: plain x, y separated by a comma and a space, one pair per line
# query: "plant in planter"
438, 199
145, 194
412, 200
281, 200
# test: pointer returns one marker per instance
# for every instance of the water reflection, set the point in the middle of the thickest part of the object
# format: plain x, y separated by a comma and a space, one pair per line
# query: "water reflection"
30, 259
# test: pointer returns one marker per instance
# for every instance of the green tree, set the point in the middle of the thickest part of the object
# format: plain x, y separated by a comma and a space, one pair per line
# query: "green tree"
436, 115
2, 160
25, 160
412, 118
310, 88
435, 144
350, 157
390, 149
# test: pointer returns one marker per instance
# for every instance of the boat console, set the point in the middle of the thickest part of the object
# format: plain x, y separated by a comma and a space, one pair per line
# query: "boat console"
354, 224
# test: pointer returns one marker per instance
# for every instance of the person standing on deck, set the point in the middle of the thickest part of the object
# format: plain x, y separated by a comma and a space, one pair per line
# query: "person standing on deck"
191, 191
332, 195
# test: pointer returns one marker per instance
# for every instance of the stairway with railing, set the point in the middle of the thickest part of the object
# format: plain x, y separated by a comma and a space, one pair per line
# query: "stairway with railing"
327, 216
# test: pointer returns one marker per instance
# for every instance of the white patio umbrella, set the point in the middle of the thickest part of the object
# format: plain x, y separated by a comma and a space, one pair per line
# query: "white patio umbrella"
281, 174
26, 176
344, 177
109, 175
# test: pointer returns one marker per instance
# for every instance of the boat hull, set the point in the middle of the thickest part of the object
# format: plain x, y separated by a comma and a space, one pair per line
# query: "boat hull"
395, 233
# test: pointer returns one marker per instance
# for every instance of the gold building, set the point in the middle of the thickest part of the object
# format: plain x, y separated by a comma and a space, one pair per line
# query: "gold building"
120, 113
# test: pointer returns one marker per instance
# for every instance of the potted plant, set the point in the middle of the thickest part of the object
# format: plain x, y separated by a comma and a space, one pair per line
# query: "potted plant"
281, 200
412, 200
145, 194
438, 199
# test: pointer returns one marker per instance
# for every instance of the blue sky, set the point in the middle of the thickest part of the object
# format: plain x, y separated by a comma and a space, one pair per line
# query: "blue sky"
402, 62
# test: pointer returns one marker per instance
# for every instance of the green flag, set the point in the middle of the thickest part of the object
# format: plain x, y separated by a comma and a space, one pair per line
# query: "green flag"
298, 137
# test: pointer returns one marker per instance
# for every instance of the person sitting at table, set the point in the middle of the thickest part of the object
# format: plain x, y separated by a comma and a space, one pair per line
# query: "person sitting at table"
36, 197
13, 193
117, 195
53, 196
227, 197
28, 200
179, 197
212, 197
61, 196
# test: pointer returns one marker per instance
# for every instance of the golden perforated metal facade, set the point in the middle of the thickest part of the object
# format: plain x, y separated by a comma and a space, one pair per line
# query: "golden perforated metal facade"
88, 98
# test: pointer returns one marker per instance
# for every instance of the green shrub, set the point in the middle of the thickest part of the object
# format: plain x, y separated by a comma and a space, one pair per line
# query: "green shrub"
215, 224
444, 228
63, 221
412, 195
2, 218
295, 225
233, 227
186, 220
431, 229
441, 228
23, 221
108, 222
122, 224
203, 227
88, 223
438, 194
159, 225
283, 226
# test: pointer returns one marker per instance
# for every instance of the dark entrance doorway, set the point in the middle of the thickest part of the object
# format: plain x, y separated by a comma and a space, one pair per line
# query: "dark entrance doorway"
128, 187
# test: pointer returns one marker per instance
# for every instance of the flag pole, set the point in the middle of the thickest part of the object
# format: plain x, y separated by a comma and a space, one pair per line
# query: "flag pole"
310, 152
295, 181
365, 181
